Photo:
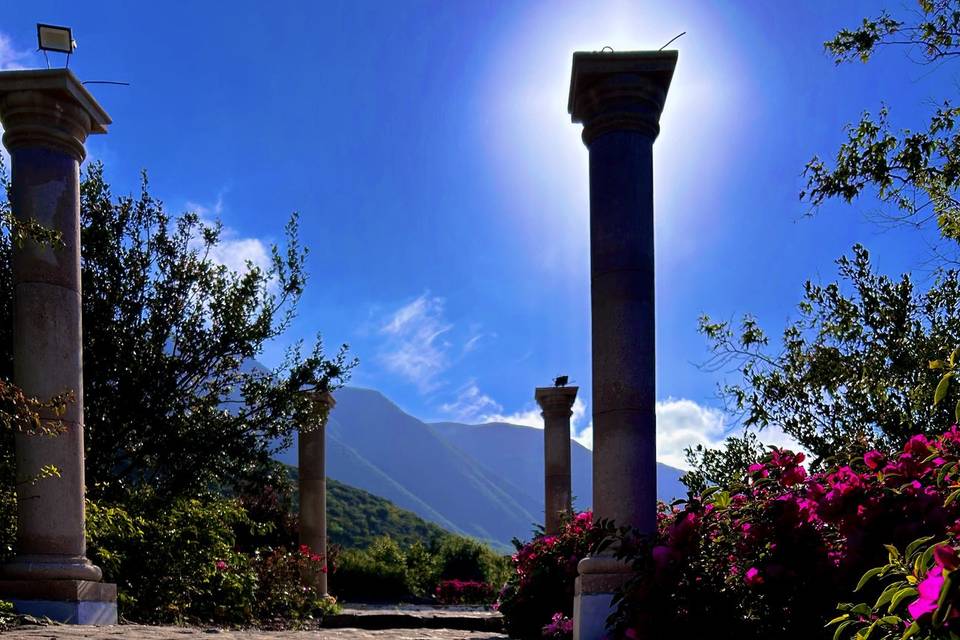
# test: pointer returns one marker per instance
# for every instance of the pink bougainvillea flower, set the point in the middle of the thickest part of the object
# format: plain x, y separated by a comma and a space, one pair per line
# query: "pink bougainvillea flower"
752, 577
946, 557
929, 590
221, 565
918, 446
874, 459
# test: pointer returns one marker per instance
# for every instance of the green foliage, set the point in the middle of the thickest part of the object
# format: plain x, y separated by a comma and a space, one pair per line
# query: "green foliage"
355, 518
721, 466
462, 558
851, 372
182, 564
387, 571
171, 398
854, 371
897, 582
165, 561
916, 173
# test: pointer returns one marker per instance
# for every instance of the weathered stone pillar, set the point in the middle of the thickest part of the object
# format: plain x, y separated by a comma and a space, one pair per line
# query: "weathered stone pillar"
311, 462
556, 404
47, 116
619, 97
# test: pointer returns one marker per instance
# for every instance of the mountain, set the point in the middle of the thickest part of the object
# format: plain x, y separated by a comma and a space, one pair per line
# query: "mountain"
515, 453
484, 481
355, 517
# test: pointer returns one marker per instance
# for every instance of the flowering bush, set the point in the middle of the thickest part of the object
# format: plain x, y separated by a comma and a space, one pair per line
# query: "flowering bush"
284, 588
539, 593
772, 555
465, 592
560, 627
181, 563
918, 600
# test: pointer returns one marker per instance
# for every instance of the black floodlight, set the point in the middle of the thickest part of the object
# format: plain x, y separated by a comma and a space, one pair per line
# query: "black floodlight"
53, 38
561, 381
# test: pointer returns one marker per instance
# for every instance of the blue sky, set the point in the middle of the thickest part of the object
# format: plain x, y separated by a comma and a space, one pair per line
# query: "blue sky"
443, 189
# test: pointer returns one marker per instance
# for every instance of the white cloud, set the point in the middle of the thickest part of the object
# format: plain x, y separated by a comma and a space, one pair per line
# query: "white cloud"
11, 57
233, 251
684, 423
415, 347
470, 403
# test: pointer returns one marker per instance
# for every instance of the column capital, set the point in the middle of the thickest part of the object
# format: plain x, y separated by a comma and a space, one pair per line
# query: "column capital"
556, 401
48, 108
622, 91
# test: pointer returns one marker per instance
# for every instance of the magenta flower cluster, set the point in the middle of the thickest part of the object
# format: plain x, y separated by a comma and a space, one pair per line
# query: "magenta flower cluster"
537, 600
774, 554
465, 592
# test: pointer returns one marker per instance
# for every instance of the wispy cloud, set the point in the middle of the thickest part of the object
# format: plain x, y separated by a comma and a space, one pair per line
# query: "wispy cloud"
415, 345
11, 57
471, 403
233, 251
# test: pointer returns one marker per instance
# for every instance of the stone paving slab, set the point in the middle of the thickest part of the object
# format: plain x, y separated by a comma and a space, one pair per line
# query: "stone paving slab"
140, 632
413, 617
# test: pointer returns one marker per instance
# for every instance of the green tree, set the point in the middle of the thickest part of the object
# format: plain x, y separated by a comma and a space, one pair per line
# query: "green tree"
853, 371
173, 396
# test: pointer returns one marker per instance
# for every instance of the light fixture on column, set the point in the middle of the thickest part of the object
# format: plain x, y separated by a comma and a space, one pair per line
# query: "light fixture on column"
53, 38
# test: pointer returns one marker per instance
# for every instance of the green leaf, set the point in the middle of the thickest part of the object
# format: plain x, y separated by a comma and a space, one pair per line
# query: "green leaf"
950, 498
942, 387
838, 619
936, 364
899, 597
886, 595
844, 625
917, 543
911, 630
867, 576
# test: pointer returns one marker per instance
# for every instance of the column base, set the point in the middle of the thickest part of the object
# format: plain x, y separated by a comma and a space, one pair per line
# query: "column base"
599, 579
67, 601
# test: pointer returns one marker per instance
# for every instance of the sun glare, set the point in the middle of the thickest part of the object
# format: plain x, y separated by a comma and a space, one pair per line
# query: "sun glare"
536, 156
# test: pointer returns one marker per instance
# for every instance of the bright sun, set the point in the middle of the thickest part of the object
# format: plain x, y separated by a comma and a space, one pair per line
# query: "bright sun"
535, 151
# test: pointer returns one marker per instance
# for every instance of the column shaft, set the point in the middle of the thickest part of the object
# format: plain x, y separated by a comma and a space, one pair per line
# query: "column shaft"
313, 495
556, 404
48, 360
623, 333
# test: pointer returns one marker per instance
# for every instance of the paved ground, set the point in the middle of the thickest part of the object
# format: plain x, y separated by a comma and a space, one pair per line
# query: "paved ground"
137, 632
402, 622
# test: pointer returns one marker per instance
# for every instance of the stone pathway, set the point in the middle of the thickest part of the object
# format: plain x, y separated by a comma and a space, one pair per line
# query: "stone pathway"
138, 632
401, 622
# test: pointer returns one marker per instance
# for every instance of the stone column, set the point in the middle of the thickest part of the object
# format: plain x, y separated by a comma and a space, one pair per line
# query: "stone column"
556, 404
47, 116
619, 97
311, 461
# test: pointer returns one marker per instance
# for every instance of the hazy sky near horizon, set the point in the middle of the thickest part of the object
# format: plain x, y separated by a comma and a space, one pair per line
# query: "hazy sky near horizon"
443, 190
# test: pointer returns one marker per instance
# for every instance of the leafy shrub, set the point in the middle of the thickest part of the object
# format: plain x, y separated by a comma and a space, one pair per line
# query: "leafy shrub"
181, 563
772, 555
375, 574
467, 559
178, 564
387, 572
544, 571
283, 593
465, 592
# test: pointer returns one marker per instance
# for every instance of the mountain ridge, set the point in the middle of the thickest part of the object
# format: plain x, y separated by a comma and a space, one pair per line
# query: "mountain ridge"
484, 481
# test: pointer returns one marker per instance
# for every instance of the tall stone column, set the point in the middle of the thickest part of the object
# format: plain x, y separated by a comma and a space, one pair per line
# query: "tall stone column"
619, 97
47, 116
556, 404
312, 466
